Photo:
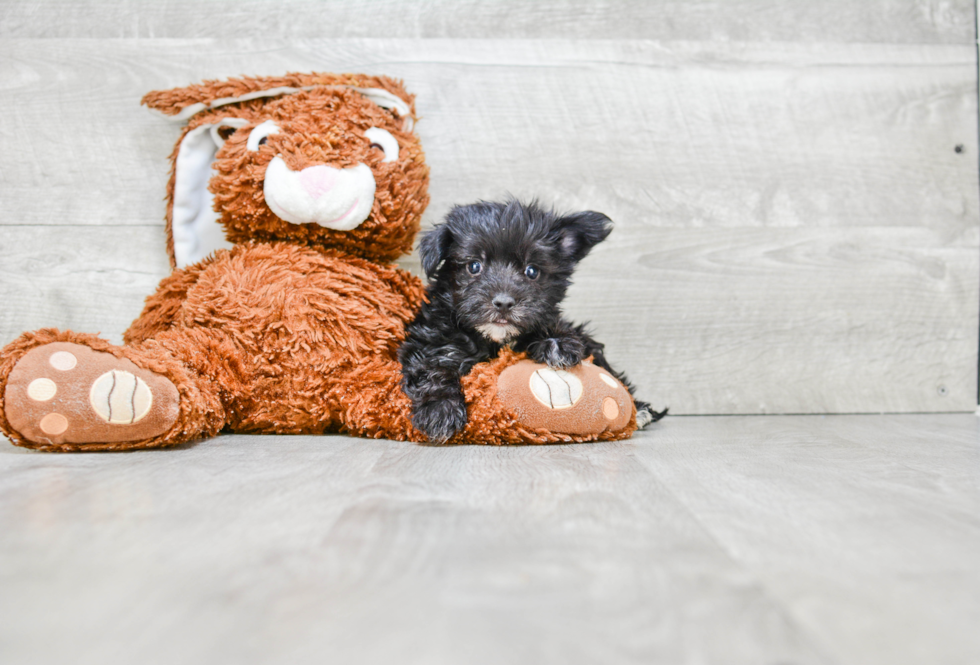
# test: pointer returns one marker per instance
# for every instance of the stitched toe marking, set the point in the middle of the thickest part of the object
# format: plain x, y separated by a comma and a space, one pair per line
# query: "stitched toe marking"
556, 388
120, 397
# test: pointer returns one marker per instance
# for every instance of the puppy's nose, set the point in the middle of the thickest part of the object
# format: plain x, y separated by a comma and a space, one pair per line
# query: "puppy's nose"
503, 302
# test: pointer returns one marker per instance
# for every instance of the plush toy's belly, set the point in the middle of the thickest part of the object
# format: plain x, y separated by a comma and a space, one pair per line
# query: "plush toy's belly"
285, 331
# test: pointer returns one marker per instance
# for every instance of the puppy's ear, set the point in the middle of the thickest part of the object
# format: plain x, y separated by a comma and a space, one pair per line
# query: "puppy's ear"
580, 232
434, 248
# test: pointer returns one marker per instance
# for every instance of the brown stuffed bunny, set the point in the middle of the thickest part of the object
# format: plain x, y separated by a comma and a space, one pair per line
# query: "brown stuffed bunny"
288, 199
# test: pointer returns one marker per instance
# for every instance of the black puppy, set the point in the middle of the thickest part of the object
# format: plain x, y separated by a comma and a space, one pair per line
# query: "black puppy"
497, 275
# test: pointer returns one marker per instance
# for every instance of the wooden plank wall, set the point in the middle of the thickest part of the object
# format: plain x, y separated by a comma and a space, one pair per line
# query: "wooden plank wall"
794, 184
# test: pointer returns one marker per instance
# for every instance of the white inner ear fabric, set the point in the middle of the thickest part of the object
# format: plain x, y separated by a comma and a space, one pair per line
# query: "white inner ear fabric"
194, 223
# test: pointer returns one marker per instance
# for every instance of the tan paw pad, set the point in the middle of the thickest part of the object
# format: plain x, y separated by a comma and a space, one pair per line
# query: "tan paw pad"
65, 394
581, 400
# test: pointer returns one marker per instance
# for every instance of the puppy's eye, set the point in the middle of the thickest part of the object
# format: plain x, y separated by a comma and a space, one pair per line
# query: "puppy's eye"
383, 140
531, 272
474, 267
260, 135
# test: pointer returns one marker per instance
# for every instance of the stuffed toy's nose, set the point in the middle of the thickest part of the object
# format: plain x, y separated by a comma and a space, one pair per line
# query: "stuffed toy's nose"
318, 180
338, 199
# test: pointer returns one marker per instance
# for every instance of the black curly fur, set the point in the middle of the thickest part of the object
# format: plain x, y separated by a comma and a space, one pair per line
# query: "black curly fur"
445, 340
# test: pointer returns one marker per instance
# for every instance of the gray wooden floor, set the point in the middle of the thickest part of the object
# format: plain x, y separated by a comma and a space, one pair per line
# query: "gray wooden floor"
809, 539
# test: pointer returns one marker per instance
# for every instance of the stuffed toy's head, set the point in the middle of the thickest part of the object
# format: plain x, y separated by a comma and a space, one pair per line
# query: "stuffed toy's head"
319, 159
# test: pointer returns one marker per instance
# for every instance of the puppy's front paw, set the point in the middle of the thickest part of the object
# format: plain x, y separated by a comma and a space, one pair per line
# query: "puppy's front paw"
439, 420
558, 352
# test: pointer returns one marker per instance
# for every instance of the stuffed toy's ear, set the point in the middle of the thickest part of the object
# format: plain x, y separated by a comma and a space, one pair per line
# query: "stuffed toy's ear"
182, 103
580, 232
434, 248
194, 227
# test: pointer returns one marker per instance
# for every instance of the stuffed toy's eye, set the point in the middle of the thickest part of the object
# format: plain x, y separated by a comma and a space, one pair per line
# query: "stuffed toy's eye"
531, 272
383, 139
260, 134
475, 267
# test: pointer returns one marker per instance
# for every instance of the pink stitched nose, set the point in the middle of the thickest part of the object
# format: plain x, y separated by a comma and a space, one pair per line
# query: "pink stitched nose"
318, 180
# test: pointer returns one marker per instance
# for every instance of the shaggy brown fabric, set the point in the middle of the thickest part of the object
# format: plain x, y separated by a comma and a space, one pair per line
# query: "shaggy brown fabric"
163, 306
295, 329
282, 331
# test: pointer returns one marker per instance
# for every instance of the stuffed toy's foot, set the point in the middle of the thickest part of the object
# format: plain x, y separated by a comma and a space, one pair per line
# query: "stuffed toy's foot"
582, 400
65, 395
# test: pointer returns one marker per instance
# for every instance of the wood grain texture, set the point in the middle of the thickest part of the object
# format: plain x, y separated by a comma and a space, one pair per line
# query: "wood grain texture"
814, 320
884, 21
91, 279
796, 231
663, 134
804, 499
706, 540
